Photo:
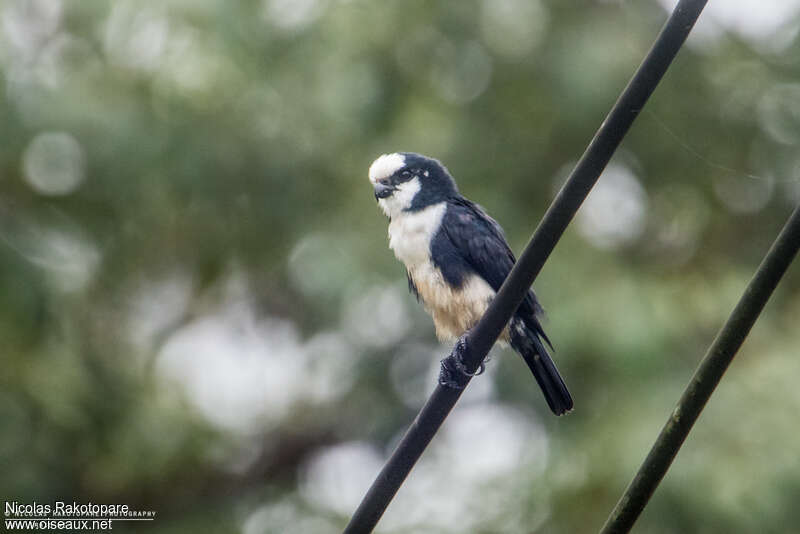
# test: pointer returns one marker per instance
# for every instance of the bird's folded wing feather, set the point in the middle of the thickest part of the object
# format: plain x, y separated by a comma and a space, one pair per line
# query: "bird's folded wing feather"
480, 241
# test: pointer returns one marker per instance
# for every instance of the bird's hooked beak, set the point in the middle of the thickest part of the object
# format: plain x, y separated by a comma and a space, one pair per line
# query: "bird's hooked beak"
383, 190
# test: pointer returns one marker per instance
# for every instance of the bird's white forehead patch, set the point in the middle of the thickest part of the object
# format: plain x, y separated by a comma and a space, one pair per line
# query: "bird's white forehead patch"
385, 166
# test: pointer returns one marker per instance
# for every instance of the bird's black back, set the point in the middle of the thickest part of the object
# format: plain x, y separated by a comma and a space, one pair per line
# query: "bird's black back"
470, 242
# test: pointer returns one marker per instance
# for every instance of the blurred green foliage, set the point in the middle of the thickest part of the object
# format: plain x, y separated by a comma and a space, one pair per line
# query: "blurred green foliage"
199, 313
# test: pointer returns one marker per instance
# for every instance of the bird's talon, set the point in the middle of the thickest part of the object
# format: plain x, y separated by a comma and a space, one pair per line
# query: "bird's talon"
454, 373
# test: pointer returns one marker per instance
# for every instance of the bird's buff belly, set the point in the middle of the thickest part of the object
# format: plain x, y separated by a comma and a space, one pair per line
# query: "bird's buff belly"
454, 310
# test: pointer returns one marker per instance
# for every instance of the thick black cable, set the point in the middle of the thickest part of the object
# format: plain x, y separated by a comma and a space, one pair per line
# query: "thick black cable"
547, 234
705, 379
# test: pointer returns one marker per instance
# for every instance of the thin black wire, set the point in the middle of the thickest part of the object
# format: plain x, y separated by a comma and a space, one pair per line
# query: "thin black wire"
705, 379
544, 239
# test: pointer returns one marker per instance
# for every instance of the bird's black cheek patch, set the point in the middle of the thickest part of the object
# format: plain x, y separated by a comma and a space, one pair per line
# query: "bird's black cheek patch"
427, 196
447, 259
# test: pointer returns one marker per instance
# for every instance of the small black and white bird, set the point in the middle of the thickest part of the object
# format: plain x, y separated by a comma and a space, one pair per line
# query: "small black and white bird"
457, 257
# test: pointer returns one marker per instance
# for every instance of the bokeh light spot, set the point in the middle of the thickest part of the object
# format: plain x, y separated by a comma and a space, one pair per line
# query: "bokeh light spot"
337, 477
462, 72
513, 28
53, 164
292, 14
614, 213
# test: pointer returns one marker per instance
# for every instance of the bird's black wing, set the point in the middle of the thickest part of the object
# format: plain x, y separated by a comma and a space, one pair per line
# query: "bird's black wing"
471, 241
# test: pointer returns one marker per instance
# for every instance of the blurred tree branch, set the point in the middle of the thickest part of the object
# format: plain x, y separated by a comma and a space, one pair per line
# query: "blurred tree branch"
706, 377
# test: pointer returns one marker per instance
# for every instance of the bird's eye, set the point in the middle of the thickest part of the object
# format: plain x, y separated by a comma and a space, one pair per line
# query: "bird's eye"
405, 174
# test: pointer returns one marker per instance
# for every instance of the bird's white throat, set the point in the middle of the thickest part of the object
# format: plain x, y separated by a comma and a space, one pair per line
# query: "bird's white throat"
411, 232
401, 199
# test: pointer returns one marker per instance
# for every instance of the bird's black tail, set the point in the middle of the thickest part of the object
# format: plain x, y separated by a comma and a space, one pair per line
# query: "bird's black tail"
529, 345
